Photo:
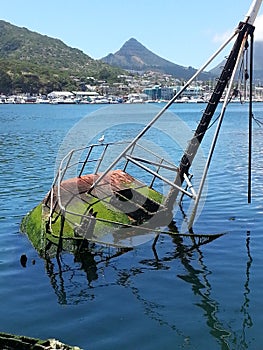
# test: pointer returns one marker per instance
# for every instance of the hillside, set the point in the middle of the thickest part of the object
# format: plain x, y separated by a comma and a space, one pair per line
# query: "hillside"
258, 65
31, 62
134, 56
35, 63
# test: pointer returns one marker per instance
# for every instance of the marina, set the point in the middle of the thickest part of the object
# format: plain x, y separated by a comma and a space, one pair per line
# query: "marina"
96, 98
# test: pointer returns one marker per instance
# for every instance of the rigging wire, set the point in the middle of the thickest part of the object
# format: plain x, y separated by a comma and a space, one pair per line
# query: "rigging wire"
243, 77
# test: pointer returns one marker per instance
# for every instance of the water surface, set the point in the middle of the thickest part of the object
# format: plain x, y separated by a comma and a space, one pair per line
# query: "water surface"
182, 298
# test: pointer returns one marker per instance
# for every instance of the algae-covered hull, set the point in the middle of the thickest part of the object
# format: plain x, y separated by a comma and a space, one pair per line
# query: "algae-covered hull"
121, 212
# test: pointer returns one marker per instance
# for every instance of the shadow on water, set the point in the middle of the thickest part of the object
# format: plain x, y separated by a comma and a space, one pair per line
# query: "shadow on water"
89, 263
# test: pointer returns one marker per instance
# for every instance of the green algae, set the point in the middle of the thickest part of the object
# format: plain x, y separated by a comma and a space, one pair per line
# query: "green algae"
109, 219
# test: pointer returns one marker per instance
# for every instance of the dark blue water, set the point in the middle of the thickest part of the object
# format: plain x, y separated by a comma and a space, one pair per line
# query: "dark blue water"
178, 297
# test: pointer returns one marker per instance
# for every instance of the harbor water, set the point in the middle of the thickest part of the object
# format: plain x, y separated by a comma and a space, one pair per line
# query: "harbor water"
180, 296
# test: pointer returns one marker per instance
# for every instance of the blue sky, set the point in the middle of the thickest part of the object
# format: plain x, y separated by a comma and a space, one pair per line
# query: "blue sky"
184, 32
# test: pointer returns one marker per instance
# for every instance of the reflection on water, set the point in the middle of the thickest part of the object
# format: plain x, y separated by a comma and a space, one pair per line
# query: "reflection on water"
247, 321
201, 287
74, 279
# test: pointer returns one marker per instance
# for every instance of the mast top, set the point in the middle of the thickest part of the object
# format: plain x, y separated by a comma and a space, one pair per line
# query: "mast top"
252, 12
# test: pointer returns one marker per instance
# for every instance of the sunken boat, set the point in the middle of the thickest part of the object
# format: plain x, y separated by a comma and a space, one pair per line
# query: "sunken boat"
120, 204
21, 342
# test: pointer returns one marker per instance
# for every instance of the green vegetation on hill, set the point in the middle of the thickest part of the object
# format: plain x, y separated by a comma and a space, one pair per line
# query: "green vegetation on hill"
35, 63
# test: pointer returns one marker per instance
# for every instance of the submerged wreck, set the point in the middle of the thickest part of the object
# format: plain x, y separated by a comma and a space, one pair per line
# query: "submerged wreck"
13, 342
121, 204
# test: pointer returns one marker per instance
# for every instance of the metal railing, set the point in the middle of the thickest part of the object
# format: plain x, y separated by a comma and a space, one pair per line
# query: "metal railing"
139, 162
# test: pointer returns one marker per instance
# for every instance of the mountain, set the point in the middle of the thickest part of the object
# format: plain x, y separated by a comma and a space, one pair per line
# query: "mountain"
31, 62
257, 63
133, 56
35, 63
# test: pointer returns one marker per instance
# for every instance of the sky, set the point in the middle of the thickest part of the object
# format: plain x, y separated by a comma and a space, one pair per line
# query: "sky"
184, 32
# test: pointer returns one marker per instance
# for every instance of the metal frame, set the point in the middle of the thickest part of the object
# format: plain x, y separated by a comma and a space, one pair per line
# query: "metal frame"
242, 32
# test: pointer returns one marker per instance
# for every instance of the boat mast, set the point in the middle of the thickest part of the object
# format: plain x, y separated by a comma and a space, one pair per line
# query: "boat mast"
243, 30
161, 112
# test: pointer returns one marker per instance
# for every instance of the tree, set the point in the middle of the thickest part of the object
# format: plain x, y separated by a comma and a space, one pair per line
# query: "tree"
5, 82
